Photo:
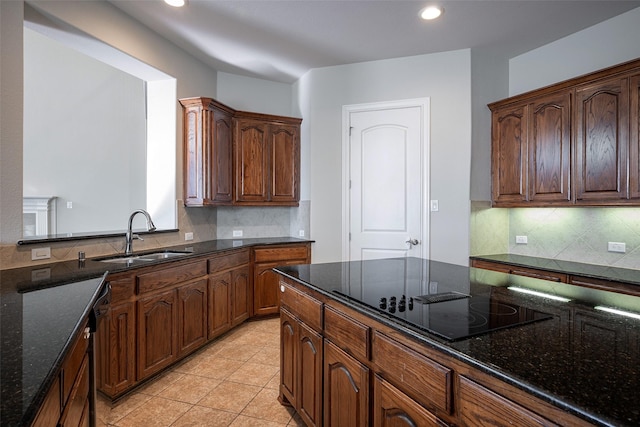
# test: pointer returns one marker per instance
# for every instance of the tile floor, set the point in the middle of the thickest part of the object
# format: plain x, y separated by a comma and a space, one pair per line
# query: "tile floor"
233, 381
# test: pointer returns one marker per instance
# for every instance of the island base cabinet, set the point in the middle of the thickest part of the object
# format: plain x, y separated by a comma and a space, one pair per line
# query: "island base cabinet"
392, 408
479, 406
346, 389
301, 368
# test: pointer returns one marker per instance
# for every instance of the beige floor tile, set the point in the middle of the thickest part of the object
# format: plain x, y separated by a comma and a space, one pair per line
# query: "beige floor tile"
162, 382
229, 396
156, 412
274, 382
200, 416
263, 407
253, 374
190, 388
267, 356
243, 421
258, 338
111, 413
237, 351
215, 367
296, 421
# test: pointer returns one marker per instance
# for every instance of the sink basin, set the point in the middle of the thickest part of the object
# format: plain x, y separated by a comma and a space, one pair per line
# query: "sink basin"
142, 258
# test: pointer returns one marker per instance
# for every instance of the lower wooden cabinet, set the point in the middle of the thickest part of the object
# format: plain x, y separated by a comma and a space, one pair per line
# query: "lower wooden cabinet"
265, 281
67, 403
392, 408
192, 316
241, 295
346, 389
157, 332
301, 368
219, 291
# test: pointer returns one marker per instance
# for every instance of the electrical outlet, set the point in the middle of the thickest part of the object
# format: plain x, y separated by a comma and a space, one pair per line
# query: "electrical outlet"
237, 233
301, 233
188, 236
40, 253
521, 240
69, 205
435, 206
617, 247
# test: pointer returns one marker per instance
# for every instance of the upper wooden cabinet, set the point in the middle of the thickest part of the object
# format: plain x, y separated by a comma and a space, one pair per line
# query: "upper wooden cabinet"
573, 143
236, 157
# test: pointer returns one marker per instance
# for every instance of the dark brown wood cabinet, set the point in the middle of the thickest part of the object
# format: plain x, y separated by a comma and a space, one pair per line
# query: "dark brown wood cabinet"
267, 159
574, 143
392, 408
208, 152
192, 316
219, 296
67, 403
237, 157
157, 332
266, 292
346, 389
602, 140
241, 295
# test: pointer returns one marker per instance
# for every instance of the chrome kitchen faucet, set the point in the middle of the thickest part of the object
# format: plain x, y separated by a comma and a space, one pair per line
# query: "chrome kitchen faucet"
128, 249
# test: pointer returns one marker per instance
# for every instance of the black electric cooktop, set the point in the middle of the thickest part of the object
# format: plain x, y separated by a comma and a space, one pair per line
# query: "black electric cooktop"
443, 299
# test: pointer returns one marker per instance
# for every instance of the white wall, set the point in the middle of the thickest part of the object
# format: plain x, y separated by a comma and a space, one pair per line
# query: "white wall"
251, 94
105, 23
608, 43
446, 79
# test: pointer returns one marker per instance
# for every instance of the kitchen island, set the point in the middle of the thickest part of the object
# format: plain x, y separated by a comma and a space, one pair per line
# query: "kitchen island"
41, 327
449, 344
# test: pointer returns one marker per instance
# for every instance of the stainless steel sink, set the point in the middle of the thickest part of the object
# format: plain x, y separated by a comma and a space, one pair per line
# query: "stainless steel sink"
143, 258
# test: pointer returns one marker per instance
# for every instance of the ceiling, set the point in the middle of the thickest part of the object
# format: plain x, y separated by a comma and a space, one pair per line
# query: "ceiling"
281, 40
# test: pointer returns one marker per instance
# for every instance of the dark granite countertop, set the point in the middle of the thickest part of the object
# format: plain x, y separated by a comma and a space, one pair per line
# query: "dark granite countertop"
625, 275
37, 328
41, 309
582, 360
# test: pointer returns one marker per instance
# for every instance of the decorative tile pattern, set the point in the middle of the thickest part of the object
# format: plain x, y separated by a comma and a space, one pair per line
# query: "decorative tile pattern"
568, 234
228, 383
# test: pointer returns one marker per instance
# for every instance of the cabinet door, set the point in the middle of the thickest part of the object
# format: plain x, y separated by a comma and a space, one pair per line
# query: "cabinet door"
346, 389
251, 160
602, 132
288, 357
219, 315
549, 165
192, 316
218, 170
266, 289
634, 139
509, 131
392, 408
241, 295
285, 163
116, 351
157, 334
309, 370
193, 153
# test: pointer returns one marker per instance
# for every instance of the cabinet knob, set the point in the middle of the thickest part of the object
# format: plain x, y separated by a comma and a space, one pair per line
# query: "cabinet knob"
86, 333
281, 288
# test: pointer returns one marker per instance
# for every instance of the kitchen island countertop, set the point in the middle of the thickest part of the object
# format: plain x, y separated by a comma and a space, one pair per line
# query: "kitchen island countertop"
581, 360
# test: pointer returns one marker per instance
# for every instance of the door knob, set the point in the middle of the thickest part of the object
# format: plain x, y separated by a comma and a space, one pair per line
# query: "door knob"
412, 242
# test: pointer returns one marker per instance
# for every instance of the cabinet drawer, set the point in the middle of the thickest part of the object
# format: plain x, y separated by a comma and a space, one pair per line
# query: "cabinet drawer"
122, 287
169, 276
281, 253
539, 274
423, 379
479, 403
228, 261
607, 285
347, 333
304, 307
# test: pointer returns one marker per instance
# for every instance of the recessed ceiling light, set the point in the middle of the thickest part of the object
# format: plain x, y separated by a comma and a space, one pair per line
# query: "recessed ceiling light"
431, 12
176, 3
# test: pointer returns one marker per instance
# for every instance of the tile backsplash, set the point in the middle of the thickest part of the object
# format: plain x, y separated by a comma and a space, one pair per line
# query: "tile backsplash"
571, 234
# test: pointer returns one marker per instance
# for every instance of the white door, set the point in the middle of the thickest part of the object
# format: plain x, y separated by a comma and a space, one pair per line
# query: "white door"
388, 187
